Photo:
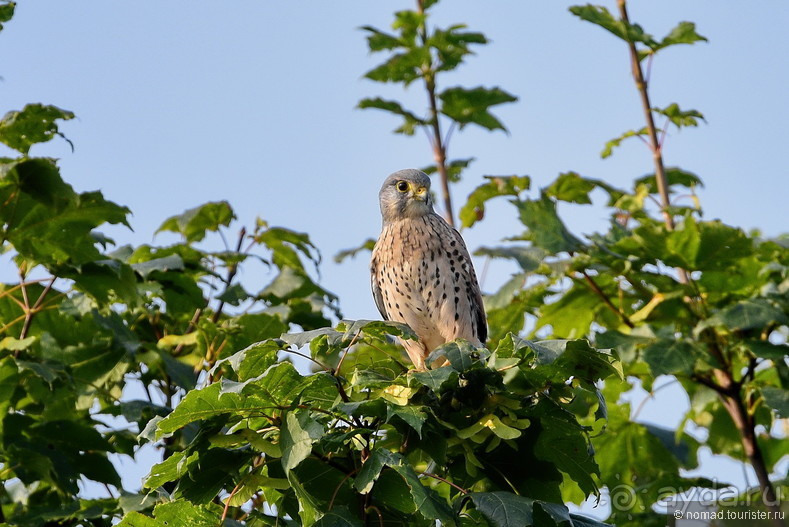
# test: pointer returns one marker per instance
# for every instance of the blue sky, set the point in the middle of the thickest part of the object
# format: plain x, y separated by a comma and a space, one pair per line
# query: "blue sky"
179, 103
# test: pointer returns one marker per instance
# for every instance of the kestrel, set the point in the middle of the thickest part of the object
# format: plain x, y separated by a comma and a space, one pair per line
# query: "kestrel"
421, 271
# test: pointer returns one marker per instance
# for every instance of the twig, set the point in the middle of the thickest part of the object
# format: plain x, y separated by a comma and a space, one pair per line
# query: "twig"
191, 327
36, 307
337, 489
651, 395
347, 349
439, 478
227, 501
604, 297
304, 355
231, 273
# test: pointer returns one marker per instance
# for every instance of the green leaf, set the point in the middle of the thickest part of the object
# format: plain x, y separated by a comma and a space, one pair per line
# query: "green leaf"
426, 500
299, 432
777, 399
181, 513
435, 379
6, 12
172, 262
135, 519
454, 168
367, 245
49, 223
617, 141
600, 16
339, 517
414, 416
299, 340
767, 350
748, 314
194, 223
504, 509
668, 357
252, 360
572, 314
460, 354
683, 33
210, 402
529, 258
572, 188
452, 45
403, 67
410, 121
470, 106
682, 446
474, 209
546, 230
234, 295
680, 118
170, 469
576, 358
562, 443
377, 40
583, 521
674, 176
35, 123
376, 328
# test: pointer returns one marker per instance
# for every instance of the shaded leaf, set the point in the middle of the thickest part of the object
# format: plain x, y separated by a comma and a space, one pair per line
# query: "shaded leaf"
504, 509
546, 230
777, 399
529, 258
667, 357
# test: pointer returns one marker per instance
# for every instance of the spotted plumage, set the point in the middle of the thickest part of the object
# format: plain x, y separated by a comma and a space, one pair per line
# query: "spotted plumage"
421, 272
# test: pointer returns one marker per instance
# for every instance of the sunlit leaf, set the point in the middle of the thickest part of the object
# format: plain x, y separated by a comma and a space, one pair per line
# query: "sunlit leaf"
195, 223
471, 105
495, 186
35, 123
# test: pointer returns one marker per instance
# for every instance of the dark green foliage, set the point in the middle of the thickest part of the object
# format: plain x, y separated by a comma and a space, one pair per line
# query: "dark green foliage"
398, 441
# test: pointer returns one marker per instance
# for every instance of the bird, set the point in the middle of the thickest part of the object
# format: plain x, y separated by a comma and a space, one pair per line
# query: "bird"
421, 272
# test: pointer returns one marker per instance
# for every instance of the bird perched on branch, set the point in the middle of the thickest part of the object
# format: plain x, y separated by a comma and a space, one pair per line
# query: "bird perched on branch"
421, 271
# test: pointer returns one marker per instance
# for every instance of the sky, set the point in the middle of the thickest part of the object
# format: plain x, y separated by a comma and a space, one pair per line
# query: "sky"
253, 102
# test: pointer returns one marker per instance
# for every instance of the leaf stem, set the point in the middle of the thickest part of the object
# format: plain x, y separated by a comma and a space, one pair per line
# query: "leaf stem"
439, 478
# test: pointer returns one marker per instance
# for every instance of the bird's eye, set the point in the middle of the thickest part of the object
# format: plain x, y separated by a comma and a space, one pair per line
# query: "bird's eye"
402, 186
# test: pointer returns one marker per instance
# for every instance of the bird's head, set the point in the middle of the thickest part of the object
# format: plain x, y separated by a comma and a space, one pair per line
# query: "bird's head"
405, 194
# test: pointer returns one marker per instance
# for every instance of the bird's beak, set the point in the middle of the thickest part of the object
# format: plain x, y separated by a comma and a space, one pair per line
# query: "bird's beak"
420, 193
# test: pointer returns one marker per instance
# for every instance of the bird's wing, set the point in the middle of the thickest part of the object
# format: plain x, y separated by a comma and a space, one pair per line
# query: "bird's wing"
477, 307
377, 297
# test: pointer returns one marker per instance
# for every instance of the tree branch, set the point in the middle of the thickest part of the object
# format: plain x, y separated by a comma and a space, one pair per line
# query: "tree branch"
437, 142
